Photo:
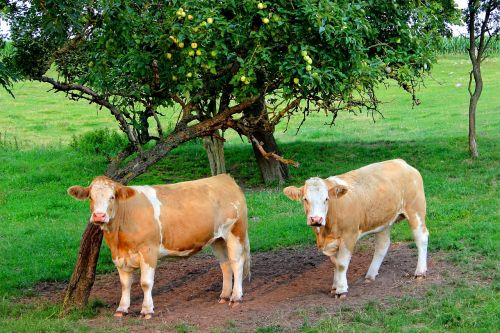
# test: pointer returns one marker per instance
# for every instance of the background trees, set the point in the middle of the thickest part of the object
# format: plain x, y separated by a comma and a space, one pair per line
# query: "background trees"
483, 24
218, 65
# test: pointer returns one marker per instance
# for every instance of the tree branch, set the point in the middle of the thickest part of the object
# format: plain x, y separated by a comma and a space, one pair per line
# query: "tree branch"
484, 26
272, 155
292, 105
180, 135
94, 98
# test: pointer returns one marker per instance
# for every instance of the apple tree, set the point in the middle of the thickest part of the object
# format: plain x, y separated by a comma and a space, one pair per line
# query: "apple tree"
219, 65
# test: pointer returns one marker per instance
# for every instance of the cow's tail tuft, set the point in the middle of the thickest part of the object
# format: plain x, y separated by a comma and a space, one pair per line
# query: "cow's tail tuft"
247, 258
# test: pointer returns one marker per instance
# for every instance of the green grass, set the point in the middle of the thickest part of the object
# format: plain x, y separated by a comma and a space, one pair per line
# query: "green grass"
462, 309
41, 225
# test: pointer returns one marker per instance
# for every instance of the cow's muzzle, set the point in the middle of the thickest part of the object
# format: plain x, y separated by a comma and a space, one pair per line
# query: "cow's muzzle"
315, 221
99, 218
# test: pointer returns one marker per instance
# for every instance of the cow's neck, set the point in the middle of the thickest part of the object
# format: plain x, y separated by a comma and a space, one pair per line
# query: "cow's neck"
111, 232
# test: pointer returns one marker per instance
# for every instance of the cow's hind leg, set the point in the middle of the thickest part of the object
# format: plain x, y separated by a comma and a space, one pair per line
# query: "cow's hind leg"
147, 281
421, 236
382, 243
235, 252
220, 250
126, 279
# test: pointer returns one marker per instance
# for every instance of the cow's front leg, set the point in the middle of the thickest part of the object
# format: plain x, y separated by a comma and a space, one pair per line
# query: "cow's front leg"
335, 274
126, 279
147, 281
342, 260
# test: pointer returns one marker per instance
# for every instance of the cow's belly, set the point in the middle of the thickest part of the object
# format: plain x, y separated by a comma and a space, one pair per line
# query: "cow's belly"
186, 236
164, 252
380, 222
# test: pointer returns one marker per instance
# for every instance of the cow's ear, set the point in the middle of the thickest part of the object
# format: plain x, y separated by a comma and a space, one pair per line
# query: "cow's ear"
337, 190
78, 192
124, 192
294, 193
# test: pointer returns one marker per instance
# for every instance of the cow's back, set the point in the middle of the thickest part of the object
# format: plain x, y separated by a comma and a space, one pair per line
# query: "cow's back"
192, 212
378, 193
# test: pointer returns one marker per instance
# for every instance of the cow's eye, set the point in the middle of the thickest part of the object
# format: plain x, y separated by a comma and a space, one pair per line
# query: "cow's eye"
305, 200
112, 197
326, 200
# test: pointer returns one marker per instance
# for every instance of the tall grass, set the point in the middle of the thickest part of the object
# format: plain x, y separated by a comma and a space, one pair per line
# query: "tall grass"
460, 45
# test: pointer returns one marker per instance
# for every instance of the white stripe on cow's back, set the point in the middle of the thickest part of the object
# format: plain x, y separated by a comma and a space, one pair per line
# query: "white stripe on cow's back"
150, 194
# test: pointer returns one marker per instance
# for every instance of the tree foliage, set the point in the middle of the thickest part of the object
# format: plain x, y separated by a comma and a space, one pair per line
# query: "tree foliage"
133, 57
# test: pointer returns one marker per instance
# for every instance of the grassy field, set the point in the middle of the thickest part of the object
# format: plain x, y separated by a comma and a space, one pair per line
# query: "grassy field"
41, 225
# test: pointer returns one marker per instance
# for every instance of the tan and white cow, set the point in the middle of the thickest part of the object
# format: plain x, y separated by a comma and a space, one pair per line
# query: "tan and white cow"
143, 223
344, 208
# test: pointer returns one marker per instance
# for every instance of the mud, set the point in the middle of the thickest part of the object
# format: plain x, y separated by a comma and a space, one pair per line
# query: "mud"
286, 284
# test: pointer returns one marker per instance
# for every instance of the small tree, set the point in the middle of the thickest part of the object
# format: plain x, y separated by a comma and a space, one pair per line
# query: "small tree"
483, 24
241, 65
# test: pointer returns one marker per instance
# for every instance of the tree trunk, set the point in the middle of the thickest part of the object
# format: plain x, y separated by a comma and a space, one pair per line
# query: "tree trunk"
214, 147
475, 55
472, 125
82, 279
271, 170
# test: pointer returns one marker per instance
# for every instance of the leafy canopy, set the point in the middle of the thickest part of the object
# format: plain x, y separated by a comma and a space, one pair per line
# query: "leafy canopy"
303, 55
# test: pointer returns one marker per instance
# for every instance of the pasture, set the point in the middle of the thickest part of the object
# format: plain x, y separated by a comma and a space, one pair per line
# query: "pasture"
48, 144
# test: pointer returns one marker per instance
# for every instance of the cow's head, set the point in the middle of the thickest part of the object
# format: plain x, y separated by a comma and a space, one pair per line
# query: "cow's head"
315, 194
103, 194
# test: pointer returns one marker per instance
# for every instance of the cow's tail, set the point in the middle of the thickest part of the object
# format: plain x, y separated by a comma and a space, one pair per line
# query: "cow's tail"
246, 258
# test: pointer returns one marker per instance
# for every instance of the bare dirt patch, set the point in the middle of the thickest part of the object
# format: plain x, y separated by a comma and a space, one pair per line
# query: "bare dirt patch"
285, 285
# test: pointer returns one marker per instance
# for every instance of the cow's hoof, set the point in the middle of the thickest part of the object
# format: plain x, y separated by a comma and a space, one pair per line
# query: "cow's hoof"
146, 316
369, 280
420, 277
120, 314
333, 291
233, 304
341, 296
223, 300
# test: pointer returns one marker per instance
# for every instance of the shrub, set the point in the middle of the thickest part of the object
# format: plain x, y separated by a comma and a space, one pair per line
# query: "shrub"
99, 142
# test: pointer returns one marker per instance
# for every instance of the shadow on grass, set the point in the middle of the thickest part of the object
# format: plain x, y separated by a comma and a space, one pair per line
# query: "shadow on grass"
321, 159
